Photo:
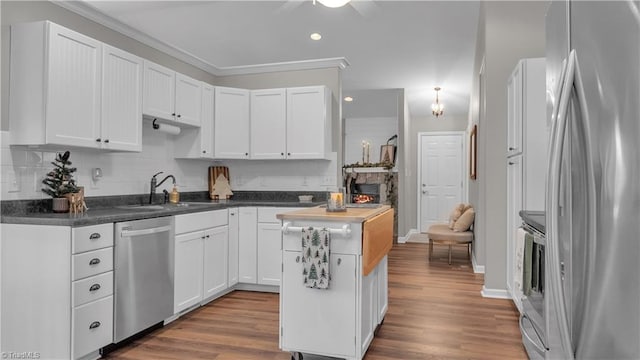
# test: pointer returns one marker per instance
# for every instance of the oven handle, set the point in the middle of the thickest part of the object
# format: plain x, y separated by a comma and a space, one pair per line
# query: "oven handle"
132, 233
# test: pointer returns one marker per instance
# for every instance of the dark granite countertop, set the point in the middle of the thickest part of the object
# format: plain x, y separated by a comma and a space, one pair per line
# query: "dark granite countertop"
535, 219
127, 208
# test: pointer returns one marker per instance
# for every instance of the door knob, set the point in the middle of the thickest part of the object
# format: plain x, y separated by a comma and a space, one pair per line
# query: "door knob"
425, 192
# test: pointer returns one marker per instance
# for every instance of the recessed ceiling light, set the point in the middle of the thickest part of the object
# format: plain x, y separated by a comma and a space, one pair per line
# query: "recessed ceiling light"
348, 99
315, 36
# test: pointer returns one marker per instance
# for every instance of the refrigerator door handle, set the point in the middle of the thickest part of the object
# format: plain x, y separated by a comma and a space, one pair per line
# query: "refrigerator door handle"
553, 201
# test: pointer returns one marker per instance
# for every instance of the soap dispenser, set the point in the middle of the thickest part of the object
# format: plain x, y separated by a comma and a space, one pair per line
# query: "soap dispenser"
174, 196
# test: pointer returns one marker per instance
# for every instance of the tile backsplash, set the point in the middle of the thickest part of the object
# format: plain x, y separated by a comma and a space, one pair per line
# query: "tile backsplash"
22, 170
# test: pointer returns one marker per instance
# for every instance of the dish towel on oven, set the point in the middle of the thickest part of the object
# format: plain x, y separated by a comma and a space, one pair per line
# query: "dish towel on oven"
315, 257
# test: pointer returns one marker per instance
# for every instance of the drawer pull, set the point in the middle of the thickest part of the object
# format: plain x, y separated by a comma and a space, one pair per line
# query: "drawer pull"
94, 261
297, 259
94, 287
94, 325
94, 236
339, 261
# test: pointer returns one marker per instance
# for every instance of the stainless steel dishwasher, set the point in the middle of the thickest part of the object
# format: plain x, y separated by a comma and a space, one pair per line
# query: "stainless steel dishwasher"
144, 252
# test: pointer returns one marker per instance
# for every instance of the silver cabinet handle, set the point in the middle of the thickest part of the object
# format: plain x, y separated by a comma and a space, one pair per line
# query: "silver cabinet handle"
297, 259
94, 236
95, 324
94, 287
94, 261
339, 261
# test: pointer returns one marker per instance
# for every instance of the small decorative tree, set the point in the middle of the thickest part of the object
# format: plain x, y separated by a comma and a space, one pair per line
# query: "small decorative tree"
59, 181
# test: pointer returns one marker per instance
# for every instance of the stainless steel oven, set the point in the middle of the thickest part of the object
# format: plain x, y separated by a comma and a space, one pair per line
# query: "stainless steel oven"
532, 319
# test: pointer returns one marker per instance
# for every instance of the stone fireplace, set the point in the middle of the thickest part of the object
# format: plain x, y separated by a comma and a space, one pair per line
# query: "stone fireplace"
375, 186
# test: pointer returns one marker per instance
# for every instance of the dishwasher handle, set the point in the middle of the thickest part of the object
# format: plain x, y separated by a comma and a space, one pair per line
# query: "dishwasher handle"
155, 230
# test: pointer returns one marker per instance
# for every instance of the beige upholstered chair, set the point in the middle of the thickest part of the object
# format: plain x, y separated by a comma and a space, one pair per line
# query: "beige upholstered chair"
457, 232
442, 235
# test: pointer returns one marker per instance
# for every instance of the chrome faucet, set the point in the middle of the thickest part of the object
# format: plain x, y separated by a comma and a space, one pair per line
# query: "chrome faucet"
155, 184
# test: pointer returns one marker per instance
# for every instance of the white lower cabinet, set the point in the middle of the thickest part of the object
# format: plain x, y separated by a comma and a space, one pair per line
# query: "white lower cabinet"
59, 303
331, 313
269, 253
200, 267
247, 245
232, 267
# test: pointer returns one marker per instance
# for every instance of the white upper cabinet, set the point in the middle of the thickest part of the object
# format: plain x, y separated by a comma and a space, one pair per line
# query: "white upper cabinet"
68, 89
197, 143
308, 122
514, 111
121, 100
170, 95
231, 123
268, 124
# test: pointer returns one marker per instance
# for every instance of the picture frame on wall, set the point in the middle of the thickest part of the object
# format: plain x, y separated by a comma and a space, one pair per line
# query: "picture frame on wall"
387, 154
473, 152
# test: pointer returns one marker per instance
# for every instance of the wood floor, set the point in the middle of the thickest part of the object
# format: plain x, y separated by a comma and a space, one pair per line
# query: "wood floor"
435, 312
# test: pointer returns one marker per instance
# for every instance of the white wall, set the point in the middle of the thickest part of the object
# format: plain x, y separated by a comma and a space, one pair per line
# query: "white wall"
376, 131
514, 30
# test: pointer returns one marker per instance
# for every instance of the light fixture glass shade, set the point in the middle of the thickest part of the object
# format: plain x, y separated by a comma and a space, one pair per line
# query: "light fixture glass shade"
437, 108
333, 3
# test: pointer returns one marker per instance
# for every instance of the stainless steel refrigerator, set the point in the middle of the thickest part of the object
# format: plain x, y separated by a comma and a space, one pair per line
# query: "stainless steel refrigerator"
592, 300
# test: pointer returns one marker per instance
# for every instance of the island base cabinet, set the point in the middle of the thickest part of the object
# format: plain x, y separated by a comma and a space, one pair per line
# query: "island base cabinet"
319, 321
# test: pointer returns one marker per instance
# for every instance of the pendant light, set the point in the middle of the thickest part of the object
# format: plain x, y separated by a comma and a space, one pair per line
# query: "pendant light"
332, 3
437, 108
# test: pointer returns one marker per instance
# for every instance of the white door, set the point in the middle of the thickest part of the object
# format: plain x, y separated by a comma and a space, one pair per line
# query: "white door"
206, 124
73, 96
158, 99
440, 177
188, 97
188, 270
268, 124
233, 246
231, 123
307, 113
121, 100
215, 260
247, 245
269, 254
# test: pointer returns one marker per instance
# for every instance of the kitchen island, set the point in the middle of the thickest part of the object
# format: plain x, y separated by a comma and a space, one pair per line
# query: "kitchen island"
340, 320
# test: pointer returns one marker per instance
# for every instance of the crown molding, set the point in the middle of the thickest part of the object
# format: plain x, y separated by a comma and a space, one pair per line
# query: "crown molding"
85, 10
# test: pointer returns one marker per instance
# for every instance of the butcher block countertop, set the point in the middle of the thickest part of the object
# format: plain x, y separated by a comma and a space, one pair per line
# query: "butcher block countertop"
320, 213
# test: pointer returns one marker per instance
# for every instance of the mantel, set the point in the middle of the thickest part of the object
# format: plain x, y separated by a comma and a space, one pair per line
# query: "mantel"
369, 170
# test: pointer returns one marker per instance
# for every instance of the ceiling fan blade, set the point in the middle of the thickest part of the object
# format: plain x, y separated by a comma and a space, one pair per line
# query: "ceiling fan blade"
364, 7
290, 5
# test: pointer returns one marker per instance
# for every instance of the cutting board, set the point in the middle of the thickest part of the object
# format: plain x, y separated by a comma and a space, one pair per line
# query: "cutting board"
214, 172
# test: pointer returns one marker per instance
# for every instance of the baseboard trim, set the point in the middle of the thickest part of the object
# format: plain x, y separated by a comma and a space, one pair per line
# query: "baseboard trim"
477, 269
495, 293
403, 239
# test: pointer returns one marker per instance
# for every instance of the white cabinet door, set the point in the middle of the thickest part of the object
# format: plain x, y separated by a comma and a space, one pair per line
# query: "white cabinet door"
188, 270
269, 253
514, 111
514, 205
121, 100
206, 123
231, 123
188, 100
383, 289
368, 309
308, 312
308, 122
247, 245
268, 124
158, 99
73, 90
233, 246
215, 260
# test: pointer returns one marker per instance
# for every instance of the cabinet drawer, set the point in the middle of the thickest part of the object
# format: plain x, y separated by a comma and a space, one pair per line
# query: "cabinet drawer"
92, 263
93, 288
268, 214
202, 220
91, 237
92, 326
